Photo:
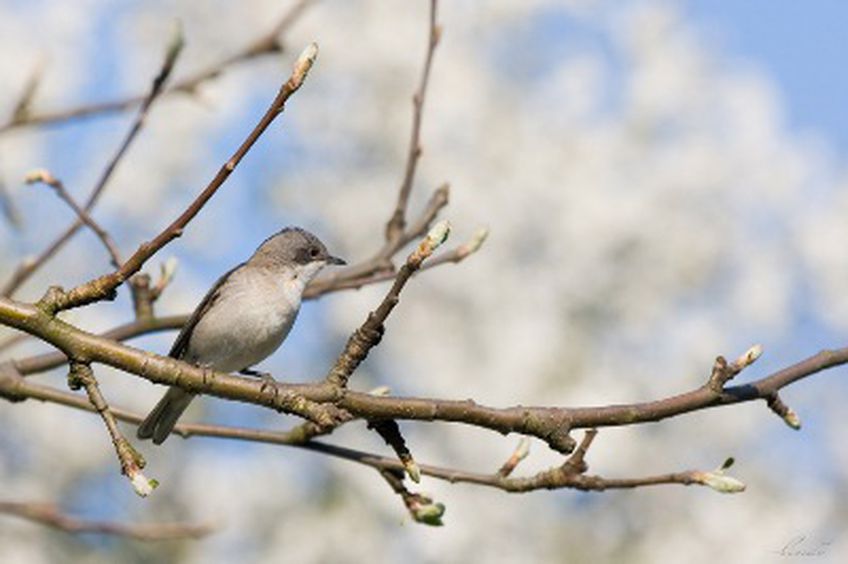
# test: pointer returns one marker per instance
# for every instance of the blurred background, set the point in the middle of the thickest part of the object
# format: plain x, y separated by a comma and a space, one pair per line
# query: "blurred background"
663, 181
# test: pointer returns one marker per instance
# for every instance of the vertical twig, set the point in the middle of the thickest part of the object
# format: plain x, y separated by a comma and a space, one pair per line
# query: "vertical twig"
397, 222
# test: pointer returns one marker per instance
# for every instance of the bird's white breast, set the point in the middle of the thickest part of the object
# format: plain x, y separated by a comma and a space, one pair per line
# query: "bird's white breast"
249, 320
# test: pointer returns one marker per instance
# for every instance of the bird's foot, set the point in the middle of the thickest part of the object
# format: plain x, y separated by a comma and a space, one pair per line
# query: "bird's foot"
267, 379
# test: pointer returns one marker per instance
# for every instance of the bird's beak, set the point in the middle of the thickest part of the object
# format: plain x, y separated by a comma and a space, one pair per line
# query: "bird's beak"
336, 260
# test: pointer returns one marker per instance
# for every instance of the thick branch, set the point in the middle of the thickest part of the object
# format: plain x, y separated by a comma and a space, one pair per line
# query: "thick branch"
550, 424
555, 478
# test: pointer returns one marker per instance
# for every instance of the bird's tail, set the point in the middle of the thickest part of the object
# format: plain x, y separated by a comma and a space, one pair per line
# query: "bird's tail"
164, 416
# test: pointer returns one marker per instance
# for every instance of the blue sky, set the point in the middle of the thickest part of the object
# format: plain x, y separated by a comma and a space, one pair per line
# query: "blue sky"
800, 45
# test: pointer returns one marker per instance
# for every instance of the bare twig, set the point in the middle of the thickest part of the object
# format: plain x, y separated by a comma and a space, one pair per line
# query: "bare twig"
784, 411
81, 376
389, 430
22, 106
45, 177
8, 208
421, 507
28, 266
519, 454
12, 341
368, 335
397, 222
576, 463
104, 287
724, 371
379, 267
267, 44
49, 515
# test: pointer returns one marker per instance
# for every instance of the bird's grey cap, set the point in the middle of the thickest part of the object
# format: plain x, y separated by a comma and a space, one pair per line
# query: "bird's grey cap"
292, 245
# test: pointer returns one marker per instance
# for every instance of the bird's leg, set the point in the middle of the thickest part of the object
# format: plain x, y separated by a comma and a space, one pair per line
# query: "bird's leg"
267, 379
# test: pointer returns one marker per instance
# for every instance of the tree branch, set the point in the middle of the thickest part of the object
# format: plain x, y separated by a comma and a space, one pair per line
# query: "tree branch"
397, 222
81, 376
550, 424
104, 287
368, 335
554, 478
45, 177
30, 265
49, 515
266, 44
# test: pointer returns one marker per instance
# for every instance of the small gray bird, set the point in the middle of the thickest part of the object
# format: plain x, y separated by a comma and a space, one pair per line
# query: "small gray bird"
244, 318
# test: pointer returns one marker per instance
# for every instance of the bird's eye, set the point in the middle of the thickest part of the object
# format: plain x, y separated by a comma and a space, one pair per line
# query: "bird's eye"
314, 252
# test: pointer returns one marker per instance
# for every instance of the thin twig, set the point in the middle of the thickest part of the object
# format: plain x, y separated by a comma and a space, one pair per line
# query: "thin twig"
368, 335
81, 376
105, 286
519, 454
421, 507
397, 222
8, 208
50, 515
389, 430
13, 340
379, 267
576, 463
22, 106
267, 44
45, 177
30, 265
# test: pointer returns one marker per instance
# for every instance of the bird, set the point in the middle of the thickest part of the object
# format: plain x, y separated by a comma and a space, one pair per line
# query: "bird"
244, 317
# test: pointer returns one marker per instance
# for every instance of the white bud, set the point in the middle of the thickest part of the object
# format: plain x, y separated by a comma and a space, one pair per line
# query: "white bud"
304, 64
750, 356
167, 270
38, 175
438, 234
791, 418
380, 391
720, 482
412, 470
142, 485
476, 241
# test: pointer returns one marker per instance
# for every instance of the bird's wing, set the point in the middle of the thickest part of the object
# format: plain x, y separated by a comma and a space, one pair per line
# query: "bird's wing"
178, 349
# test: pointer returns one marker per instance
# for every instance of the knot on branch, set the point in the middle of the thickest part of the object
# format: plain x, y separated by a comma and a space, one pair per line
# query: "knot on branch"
325, 417
553, 430
561, 440
50, 300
